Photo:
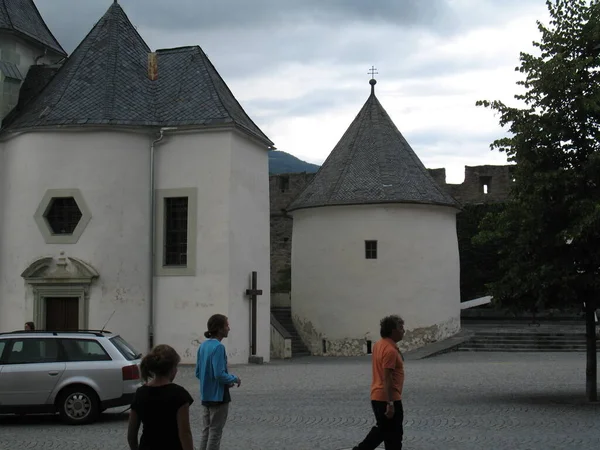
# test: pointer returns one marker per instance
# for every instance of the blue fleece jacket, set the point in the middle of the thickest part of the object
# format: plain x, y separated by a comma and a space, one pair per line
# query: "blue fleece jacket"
211, 370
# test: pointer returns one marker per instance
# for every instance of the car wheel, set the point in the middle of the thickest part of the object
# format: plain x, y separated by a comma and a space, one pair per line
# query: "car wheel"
78, 405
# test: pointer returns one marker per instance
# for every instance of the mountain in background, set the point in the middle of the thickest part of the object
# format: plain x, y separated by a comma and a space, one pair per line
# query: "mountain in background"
282, 162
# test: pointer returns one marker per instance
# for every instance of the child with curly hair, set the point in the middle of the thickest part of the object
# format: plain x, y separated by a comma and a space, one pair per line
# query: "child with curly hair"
160, 405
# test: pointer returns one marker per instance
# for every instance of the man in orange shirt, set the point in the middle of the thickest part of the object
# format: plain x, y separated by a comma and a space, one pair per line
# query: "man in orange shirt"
386, 388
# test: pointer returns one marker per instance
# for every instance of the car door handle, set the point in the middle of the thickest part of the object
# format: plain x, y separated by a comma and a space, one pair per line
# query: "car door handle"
53, 373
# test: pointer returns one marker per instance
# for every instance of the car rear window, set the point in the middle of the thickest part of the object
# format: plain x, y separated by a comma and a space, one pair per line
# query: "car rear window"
128, 352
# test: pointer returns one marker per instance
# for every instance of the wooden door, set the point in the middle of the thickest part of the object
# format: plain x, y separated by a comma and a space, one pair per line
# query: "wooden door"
62, 313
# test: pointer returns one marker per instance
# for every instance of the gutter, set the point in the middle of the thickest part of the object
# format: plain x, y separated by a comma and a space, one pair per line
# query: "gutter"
152, 237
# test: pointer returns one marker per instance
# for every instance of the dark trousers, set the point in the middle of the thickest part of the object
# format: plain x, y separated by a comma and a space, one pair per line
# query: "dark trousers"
388, 431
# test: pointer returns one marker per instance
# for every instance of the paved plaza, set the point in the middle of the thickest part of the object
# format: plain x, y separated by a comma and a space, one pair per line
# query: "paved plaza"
469, 401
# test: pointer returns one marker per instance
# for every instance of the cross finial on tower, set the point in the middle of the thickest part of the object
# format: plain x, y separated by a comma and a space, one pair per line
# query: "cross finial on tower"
372, 81
373, 72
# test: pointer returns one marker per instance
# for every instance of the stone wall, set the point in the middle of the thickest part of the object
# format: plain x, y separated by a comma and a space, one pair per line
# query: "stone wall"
282, 190
318, 344
281, 346
482, 184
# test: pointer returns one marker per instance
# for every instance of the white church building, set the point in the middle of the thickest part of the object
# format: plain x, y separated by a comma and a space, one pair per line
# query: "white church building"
133, 187
373, 235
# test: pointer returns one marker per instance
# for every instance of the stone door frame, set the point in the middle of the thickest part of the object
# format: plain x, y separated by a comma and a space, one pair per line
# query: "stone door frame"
60, 277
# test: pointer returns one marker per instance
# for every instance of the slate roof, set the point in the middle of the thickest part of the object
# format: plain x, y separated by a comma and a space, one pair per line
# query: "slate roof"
23, 17
105, 82
372, 163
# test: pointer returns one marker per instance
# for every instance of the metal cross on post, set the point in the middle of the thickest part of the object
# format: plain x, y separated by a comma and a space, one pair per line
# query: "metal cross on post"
253, 292
373, 72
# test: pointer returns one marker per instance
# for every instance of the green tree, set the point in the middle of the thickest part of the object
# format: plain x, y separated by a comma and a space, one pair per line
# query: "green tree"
478, 263
550, 231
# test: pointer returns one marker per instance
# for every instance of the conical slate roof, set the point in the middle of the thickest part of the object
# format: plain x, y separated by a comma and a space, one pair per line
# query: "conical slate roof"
105, 82
23, 18
372, 163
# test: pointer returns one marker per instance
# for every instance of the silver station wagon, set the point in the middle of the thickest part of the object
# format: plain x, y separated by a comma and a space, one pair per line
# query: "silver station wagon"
77, 374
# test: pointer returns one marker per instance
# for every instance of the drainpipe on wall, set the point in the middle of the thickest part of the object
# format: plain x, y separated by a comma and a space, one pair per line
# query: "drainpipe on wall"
152, 237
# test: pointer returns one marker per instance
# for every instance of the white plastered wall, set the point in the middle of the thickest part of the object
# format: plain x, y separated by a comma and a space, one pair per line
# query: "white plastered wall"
340, 296
249, 241
110, 169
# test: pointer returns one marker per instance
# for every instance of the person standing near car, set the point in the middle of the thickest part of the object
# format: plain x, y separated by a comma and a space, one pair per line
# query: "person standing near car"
215, 381
386, 388
160, 405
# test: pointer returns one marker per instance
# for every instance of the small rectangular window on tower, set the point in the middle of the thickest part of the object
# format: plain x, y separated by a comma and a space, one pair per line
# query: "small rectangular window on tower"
371, 249
176, 231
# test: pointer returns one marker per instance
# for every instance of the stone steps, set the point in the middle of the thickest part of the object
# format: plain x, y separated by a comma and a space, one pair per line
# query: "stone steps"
524, 341
284, 317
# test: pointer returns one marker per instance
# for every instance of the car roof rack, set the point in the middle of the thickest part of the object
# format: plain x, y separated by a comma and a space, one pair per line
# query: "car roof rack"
98, 333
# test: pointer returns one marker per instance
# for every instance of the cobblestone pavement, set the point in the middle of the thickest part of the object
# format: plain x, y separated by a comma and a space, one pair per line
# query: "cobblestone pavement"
467, 401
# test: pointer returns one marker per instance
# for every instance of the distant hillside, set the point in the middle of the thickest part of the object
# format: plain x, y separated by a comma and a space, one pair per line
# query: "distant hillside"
282, 162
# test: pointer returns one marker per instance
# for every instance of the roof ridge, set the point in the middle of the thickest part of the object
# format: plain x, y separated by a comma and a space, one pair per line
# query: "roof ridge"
416, 159
113, 38
46, 26
231, 115
206, 62
353, 147
133, 27
23, 18
66, 66
181, 49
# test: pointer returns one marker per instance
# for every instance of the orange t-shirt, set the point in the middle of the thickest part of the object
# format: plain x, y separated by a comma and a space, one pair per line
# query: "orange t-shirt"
387, 356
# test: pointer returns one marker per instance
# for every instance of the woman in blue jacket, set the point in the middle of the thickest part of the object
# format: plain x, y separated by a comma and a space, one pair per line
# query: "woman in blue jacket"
215, 381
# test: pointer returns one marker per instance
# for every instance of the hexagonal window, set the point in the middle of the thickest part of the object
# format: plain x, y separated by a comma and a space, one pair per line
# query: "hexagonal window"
62, 216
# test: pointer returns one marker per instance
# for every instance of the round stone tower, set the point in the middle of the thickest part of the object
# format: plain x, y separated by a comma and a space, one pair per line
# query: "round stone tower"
373, 235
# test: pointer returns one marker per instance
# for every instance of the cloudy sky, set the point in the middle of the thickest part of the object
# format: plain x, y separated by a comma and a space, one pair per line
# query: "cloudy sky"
299, 67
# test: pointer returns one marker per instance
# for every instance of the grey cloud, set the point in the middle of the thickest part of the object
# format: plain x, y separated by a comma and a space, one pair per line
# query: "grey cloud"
322, 100
71, 19
444, 144
351, 56
434, 136
314, 102
249, 38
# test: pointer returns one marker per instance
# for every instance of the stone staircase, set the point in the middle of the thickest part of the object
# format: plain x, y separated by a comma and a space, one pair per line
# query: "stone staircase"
525, 341
284, 317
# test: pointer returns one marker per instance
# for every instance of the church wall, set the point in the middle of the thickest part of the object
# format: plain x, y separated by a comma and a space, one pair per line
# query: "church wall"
111, 171
340, 296
184, 303
249, 240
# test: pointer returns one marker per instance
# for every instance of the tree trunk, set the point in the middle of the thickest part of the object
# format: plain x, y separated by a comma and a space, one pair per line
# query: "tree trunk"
591, 371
